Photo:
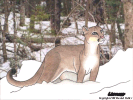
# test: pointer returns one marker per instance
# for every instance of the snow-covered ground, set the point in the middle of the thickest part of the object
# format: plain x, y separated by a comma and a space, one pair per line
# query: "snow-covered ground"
115, 76
4, 69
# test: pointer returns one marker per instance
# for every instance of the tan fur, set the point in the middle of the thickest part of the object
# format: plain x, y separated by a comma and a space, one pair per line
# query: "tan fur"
67, 58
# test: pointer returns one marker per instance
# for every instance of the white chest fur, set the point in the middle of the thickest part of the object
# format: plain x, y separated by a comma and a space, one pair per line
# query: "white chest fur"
90, 62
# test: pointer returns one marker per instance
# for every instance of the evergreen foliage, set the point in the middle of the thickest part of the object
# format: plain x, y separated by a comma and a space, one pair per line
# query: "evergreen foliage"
38, 15
112, 9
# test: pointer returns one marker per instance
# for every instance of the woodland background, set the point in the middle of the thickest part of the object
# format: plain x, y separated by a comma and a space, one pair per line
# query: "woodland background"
115, 16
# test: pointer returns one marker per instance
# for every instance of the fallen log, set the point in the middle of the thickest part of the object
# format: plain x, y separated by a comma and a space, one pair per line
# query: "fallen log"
34, 47
10, 38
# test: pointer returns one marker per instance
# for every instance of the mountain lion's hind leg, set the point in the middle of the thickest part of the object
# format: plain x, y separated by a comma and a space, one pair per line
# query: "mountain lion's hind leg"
58, 80
57, 75
51, 67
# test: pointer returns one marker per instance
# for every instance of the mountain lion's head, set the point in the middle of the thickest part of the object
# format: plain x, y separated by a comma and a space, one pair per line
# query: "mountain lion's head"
93, 34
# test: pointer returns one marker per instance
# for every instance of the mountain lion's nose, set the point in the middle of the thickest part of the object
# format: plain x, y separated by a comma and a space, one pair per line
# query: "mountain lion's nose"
102, 37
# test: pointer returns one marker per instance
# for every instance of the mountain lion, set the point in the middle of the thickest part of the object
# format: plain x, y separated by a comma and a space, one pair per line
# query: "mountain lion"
79, 59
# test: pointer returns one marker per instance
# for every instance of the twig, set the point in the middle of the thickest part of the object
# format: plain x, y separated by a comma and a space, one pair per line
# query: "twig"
65, 21
30, 4
1, 77
105, 16
4, 70
103, 54
85, 9
70, 14
78, 38
76, 25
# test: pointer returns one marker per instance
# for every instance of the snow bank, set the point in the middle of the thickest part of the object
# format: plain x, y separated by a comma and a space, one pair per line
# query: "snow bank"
118, 70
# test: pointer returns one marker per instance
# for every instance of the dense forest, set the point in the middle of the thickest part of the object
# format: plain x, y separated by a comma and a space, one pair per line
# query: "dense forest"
27, 25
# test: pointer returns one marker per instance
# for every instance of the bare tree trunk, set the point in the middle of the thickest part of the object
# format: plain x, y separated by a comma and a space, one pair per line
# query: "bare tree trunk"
15, 33
27, 9
57, 19
47, 9
120, 34
0, 27
22, 12
105, 20
52, 16
66, 10
128, 14
6, 2
66, 6
69, 2
15, 50
32, 22
112, 34
76, 25
31, 4
82, 2
88, 9
32, 15
86, 13
57, 15
5, 30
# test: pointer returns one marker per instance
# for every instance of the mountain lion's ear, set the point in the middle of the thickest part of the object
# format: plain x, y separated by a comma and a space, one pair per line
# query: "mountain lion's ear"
84, 28
98, 24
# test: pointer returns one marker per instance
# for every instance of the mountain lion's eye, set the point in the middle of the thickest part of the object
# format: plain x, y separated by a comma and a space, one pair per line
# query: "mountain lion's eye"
94, 33
101, 30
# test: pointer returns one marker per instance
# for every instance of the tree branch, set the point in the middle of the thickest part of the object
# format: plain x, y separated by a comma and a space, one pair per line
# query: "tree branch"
4, 70
85, 9
103, 54
65, 21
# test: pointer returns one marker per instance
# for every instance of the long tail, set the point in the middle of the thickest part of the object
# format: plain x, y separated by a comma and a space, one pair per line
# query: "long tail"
31, 81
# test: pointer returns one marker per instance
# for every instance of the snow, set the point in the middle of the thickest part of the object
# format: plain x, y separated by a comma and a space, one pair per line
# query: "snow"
43, 24
118, 70
42, 52
10, 47
118, 64
73, 40
6, 67
72, 30
122, 26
